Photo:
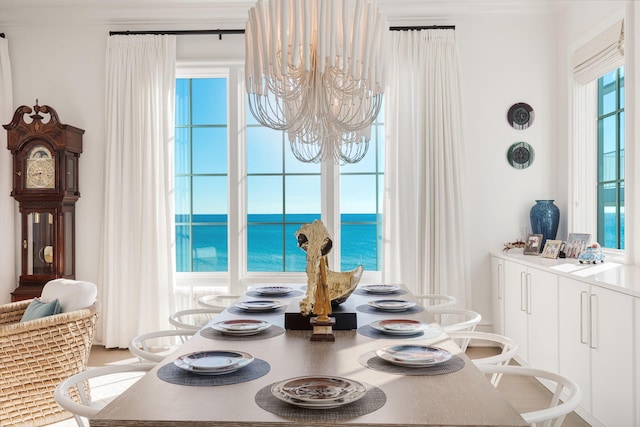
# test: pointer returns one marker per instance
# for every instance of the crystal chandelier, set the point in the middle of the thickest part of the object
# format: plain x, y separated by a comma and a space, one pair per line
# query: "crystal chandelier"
315, 69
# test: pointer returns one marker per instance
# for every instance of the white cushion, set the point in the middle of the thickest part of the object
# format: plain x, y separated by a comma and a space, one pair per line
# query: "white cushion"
71, 294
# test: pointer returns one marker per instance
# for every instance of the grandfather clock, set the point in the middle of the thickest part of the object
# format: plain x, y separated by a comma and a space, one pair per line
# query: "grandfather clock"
45, 184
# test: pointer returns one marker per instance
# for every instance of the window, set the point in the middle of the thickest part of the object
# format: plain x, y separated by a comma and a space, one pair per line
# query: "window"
269, 196
611, 159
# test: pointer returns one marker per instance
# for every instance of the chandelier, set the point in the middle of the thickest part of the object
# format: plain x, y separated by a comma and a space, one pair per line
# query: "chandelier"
315, 69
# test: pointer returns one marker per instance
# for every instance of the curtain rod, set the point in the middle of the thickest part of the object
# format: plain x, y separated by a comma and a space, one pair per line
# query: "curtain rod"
241, 31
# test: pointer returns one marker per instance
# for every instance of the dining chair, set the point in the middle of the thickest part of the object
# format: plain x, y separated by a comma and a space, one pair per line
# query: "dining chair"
456, 319
565, 394
154, 346
193, 319
436, 301
508, 348
217, 302
84, 394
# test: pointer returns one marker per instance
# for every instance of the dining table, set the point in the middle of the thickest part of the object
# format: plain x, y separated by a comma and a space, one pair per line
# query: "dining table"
283, 360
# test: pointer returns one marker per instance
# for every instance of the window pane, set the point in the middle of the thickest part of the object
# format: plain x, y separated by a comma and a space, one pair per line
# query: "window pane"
608, 100
264, 195
183, 245
209, 150
367, 164
293, 165
608, 136
182, 161
182, 199
183, 102
209, 195
209, 101
358, 193
358, 242
303, 194
264, 150
210, 250
265, 246
296, 258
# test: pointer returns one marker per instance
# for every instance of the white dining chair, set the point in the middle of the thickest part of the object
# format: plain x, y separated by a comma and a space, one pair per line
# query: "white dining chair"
456, 319
565, 394
507, 348
432, 302
217, 302
193, 319
154, 346
104, 384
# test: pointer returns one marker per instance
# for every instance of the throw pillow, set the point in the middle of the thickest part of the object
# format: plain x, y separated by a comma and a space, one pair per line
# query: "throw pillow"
37, 309
71, 294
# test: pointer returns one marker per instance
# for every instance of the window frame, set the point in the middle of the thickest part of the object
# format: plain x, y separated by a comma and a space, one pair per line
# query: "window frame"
238, 278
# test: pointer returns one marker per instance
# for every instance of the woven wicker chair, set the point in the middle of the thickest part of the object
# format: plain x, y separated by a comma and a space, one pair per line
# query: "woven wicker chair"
36, 356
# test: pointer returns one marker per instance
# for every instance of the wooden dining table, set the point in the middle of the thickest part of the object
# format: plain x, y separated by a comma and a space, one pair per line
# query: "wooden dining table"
461, 398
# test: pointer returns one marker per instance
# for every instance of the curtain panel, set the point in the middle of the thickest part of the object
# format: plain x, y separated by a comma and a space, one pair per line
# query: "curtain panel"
8, 206
137, 256
423, 215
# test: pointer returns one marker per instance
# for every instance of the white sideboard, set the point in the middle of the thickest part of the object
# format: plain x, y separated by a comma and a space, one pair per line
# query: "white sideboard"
582, 321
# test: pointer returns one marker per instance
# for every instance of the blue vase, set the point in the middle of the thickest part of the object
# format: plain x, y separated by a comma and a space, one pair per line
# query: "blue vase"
545, 217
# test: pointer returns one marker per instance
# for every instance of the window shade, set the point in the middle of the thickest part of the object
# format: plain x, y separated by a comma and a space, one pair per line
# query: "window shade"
601, 55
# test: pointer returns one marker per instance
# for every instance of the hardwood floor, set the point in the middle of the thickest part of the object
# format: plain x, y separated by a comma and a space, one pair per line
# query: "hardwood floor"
521, 393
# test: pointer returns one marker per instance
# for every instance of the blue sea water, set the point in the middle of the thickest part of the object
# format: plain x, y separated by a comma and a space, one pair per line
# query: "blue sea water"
272, 244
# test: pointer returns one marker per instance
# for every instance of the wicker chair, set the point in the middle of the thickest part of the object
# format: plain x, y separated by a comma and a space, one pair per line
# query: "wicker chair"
36, 356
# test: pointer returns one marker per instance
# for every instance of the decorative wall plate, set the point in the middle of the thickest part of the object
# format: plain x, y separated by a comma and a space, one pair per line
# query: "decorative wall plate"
520, 115
520, 155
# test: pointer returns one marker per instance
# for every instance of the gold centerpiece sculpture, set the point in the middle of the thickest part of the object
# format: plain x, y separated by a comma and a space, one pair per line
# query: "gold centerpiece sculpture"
324, 286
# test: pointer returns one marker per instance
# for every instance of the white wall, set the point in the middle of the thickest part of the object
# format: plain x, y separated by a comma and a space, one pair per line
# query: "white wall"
504, 59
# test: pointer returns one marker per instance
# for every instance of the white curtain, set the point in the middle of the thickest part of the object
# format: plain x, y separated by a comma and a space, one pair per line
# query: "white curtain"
424, 238
137, 262
8, 274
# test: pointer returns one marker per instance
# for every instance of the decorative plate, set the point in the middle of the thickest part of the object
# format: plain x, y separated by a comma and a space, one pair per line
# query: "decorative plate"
391, 304
274, 290
520, 115
413, 355
381, 289
520, 155
241, 326
259, 305
319, 392
398, 326
213, 362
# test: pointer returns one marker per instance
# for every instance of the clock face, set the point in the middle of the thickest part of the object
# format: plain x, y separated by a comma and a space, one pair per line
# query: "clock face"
40, 171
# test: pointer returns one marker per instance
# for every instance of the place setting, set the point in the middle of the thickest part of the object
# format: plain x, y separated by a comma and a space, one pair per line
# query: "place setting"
379, 289
320, 397
241, 329
274, 291
213, 367
412, 359
390, 306
399, 329
262, 306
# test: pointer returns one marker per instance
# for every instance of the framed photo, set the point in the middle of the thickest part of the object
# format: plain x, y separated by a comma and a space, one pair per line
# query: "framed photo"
551, 249
576, 244
532, 244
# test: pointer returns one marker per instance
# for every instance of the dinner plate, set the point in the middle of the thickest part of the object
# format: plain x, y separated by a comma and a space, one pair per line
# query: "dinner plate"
213, 362
274, 290
319, 392
413, 355
391, 304
380, 289
399, 326
259, 305
241, 326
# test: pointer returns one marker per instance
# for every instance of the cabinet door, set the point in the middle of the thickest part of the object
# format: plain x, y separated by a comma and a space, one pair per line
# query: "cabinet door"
611, 343
497, 294
515, 306
574, 354
542, 308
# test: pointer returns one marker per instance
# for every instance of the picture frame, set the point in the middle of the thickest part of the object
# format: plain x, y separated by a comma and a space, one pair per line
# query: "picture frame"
576, 242
551, 249
532, 244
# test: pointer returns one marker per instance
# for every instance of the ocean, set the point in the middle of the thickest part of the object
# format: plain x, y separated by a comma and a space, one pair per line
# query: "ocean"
272, 244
